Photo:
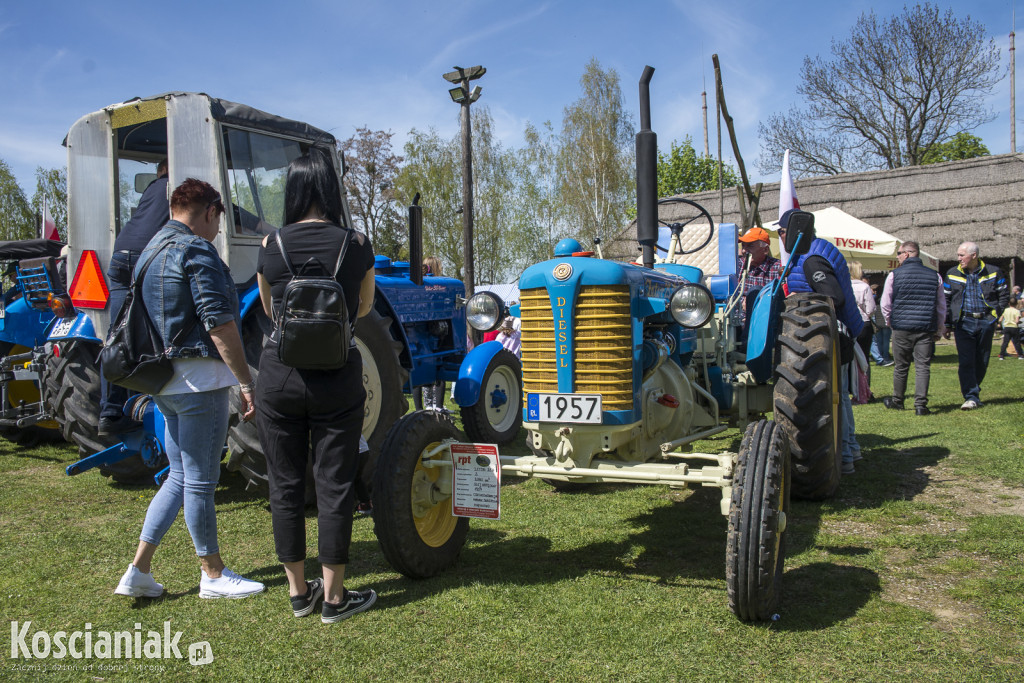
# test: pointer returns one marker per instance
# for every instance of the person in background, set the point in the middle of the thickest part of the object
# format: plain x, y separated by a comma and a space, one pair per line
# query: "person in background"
308, 411
1010, 320
976, 293
194, 306
866, 307
763, 268
823, 270
914, 305
150, 215
883, 333
509, 335
432, 395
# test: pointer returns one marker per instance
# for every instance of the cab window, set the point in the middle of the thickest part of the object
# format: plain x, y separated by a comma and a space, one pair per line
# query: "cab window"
257, 166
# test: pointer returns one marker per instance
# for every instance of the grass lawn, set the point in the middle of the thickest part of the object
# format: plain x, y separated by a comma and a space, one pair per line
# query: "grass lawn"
915, 570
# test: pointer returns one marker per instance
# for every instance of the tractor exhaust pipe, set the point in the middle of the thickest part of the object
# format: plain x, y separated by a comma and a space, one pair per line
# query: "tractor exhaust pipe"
416, 241
646, 175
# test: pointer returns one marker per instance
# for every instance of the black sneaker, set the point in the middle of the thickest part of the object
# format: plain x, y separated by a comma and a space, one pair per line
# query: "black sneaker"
109, 426
302, 605
355, 602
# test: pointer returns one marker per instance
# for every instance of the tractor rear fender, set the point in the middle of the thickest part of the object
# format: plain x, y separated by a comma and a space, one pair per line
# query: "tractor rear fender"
81, 328
471, 374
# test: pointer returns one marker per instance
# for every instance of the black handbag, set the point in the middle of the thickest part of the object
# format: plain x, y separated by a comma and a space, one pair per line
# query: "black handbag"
134, 356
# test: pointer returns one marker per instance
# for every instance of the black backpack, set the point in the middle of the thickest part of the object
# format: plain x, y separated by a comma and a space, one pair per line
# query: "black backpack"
313, 328
133, 355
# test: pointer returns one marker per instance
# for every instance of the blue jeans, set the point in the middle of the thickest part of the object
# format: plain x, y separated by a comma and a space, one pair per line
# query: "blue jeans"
880, 345
195, 429
973, 348
848, 433
119, 275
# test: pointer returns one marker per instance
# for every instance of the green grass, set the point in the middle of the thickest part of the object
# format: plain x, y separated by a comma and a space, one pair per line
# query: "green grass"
913, 570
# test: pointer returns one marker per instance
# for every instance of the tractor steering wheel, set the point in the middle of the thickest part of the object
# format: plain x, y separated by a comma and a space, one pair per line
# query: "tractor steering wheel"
691, 211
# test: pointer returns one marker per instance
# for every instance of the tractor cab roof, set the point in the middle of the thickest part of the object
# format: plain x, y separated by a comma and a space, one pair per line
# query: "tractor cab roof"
149, 134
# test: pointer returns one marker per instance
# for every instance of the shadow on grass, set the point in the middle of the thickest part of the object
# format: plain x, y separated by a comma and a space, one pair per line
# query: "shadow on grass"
681, 545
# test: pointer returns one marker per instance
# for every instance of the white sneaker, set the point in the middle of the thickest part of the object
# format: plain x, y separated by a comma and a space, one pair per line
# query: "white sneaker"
969, 404
228, 585
135, 584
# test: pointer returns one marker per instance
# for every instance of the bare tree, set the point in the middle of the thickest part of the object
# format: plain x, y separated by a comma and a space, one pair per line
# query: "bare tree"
372, 168
890, 92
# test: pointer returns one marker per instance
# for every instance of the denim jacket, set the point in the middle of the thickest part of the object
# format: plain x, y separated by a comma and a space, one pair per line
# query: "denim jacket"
186, 282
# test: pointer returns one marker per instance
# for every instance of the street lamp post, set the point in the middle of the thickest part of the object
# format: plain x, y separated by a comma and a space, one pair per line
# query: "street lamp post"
463, 96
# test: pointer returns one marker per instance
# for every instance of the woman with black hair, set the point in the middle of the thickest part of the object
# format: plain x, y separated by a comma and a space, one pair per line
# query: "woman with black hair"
319, 411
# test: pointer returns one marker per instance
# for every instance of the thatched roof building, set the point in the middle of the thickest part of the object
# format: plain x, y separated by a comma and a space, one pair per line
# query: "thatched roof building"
939, 206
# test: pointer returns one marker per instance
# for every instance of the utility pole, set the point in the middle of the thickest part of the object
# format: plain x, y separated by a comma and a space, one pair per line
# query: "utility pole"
463, 96
1013, 97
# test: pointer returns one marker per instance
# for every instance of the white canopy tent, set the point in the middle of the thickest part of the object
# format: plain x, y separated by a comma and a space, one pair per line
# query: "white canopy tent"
856, 240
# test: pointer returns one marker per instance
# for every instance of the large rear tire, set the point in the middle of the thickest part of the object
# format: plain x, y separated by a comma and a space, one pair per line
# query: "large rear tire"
72, 391
412, 507
807, 394
756, 548
497, 416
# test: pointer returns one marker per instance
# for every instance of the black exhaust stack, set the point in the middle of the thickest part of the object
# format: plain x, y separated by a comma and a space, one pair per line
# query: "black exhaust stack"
646, 175
416, 241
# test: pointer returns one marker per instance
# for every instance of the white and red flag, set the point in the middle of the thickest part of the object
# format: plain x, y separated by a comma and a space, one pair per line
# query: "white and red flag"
49, 227
787, 198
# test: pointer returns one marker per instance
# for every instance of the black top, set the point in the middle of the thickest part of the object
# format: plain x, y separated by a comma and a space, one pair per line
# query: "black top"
152, 214
313, 250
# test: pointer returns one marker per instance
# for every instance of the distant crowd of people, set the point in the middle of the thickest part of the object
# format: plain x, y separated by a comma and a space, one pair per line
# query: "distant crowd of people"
914, 308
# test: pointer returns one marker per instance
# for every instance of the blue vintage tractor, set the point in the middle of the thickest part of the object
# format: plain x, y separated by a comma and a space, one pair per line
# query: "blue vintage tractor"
32, 268
625, 367
415, 334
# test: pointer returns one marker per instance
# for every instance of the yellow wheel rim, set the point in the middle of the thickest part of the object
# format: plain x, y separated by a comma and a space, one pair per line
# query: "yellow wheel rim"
431, 508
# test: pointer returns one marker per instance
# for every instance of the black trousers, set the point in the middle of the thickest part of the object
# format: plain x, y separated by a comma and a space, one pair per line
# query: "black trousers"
310, 412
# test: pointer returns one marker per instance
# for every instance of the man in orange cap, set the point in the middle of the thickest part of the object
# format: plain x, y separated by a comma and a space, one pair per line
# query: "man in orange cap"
763, 267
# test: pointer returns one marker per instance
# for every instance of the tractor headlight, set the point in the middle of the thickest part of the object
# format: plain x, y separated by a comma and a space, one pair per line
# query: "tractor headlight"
692, 305
485, 311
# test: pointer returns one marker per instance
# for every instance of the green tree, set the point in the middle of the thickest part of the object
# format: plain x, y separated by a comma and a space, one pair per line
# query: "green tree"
52, 183
369, 181
506, 236
432, 169
890, 92
596, 157
17, 220
963, 145
681, 171
539, 203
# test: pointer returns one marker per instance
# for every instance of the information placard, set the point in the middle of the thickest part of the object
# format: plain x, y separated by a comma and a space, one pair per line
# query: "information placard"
476, 480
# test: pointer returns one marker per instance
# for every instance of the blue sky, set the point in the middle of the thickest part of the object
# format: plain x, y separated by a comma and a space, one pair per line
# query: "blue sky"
340, 64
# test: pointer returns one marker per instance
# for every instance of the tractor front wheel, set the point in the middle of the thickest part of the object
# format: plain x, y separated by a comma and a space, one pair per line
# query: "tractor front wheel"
497, 415
755, 551
412, 507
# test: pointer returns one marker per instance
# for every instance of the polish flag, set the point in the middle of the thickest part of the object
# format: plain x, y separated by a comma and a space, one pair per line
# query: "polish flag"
49, 228
787, 193
787, 199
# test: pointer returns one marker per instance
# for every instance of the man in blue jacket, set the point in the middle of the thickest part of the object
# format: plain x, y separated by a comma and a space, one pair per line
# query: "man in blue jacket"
822, 269
977, 293
152, 213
